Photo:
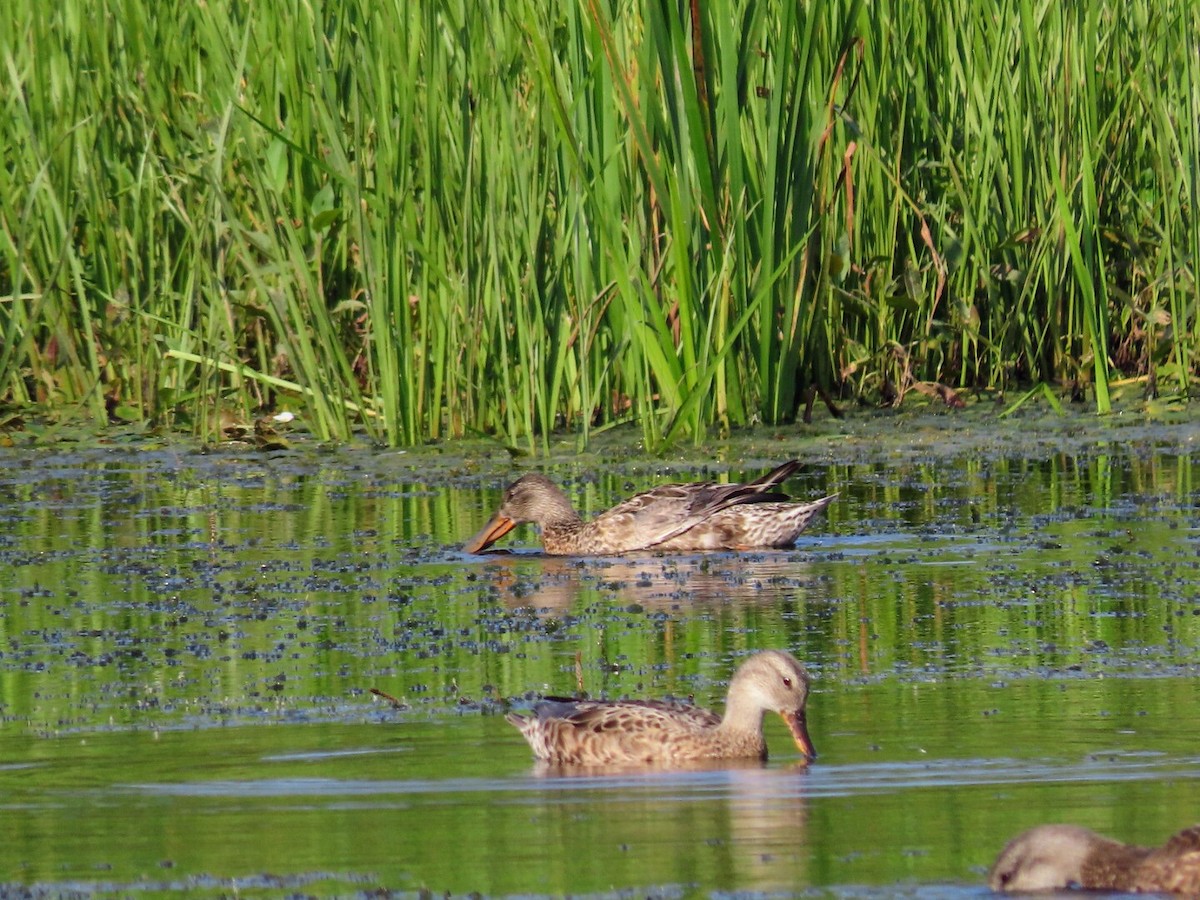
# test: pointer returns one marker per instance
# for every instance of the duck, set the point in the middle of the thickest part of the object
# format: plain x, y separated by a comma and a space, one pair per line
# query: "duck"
1051, 857
671, 517
596, 733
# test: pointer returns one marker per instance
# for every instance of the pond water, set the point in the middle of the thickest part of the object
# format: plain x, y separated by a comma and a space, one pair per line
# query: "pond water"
1002, 622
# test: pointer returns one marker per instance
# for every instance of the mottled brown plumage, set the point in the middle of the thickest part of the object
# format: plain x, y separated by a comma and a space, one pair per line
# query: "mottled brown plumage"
624, 732
1060, 856
683, 517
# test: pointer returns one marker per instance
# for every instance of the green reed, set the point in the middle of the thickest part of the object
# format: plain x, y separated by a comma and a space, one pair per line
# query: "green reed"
430, 219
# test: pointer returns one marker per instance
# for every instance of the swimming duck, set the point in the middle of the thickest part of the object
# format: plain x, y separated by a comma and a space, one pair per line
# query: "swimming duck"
1061, 856
698, 516
625, 732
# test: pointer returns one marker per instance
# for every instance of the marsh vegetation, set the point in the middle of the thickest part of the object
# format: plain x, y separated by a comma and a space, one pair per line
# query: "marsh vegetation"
428, 219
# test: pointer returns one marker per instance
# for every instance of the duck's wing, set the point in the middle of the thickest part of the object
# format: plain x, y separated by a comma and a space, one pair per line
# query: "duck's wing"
657, 515
597, 733
777, 476
626, 715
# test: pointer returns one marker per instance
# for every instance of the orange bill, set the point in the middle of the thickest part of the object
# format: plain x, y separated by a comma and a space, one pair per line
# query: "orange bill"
797, 723
498, 527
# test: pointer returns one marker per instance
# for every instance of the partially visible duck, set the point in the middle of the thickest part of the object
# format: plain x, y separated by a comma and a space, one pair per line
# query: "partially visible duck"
624, 732
1052, 857
684, 517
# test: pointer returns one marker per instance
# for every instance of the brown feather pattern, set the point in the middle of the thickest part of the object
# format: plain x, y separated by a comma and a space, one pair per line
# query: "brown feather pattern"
679, 517
604, 733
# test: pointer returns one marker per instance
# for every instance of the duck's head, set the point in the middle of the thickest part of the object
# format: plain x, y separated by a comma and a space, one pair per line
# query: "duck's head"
774, 681
1044, 858
531, 498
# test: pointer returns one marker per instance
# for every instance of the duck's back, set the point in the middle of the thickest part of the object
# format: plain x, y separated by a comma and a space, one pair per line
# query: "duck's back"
591, 733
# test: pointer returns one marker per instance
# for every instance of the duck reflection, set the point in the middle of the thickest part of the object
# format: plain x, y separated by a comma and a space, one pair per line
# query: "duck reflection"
743, 822
554, 585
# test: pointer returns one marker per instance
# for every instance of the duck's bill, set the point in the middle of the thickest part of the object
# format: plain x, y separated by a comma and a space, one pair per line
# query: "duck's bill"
797, 723
497, 528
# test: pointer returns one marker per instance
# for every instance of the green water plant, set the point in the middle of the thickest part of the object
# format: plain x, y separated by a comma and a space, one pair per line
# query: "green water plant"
422, 220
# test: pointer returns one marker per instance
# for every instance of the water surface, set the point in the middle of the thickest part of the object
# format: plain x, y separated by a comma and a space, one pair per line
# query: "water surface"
1002, 628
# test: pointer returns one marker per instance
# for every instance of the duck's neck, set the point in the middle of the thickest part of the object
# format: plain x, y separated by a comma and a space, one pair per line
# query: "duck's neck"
560, 516
741, 727
557, 513
560, 537
742, 718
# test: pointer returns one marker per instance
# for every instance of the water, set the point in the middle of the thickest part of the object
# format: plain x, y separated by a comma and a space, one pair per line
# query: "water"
999, 635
